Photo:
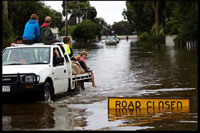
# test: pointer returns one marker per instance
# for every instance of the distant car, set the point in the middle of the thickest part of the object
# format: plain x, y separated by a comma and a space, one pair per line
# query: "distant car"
110, 40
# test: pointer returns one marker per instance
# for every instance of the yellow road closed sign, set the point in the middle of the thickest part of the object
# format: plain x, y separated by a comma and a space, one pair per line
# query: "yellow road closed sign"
135, 103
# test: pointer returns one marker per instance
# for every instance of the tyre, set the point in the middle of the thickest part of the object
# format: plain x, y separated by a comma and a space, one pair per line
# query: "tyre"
47, 94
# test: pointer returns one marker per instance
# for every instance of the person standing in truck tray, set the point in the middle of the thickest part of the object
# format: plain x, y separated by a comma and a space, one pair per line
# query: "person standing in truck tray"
31, 31
82, 62
67, 45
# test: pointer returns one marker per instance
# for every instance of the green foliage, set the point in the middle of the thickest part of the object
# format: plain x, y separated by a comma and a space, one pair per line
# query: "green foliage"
187, 21
140, 15
79, 8
8, 36
153, 30
19, 14
171, 26
85, 31
70, 30
104, 28
161, 34
122, 28
175, 17
144, 36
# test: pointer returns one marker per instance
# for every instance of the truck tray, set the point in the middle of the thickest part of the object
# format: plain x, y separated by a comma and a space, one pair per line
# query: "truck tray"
82, 77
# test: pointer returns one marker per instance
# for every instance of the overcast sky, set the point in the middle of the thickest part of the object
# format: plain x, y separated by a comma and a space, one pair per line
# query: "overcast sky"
110, 11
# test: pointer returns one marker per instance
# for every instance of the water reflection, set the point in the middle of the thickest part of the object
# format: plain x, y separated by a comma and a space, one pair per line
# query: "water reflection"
27, 116
167, 67
146, 117
143, 113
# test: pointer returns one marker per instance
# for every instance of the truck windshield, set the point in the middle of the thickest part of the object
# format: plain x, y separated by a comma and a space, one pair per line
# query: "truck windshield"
26, 56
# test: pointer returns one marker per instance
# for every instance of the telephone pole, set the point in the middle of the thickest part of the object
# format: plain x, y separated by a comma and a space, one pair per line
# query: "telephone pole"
66, 20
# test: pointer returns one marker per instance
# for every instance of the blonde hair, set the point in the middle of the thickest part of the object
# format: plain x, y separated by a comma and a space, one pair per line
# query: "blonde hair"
83, 53
47, 19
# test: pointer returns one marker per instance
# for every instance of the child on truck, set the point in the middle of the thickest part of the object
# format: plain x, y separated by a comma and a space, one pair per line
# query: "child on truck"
82, 62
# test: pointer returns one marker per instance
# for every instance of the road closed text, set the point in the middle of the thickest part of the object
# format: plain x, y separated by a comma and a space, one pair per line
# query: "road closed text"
132, 103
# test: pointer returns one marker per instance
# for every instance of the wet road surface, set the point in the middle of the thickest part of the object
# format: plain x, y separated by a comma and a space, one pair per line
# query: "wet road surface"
125, 70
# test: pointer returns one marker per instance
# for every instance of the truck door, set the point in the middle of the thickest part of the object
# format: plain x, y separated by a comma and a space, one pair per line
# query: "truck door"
59, 74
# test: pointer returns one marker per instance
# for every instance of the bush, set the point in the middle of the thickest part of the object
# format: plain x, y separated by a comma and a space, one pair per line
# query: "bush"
161, 34
70, 30
8, 34
85, 31
171, 27
144, 36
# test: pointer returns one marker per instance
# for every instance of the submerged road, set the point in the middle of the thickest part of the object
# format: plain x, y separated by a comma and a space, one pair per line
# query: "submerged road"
125, 70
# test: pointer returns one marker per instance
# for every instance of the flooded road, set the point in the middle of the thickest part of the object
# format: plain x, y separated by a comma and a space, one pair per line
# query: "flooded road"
125, 70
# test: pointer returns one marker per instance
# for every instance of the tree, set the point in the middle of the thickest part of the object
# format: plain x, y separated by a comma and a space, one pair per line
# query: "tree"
103, 26
140, 15
80, 8
155, 4
121, 28
70, 30
20, 7
85, 31
187, 17
8, 34
175, 17
5, 8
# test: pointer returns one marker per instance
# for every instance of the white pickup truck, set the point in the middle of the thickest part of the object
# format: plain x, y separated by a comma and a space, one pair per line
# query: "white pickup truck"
28, 68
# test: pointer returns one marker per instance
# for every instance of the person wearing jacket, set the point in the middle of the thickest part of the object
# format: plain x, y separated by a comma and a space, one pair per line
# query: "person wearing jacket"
31, 31
47, 36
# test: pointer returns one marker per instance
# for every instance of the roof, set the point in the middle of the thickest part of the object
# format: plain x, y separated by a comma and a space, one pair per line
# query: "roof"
32, 45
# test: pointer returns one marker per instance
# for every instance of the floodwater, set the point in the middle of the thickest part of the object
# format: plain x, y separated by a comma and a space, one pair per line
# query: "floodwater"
125, 70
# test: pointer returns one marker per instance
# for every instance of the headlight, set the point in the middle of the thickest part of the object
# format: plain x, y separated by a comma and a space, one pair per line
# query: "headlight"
29, 78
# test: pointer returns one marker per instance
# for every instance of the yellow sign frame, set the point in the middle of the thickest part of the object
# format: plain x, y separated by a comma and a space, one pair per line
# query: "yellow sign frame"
134, 103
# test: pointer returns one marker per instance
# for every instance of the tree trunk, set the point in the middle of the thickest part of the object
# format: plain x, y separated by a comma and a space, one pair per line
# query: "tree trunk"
156, 18
5, 8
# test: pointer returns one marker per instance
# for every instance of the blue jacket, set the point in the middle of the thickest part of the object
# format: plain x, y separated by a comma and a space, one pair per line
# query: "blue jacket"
32, 30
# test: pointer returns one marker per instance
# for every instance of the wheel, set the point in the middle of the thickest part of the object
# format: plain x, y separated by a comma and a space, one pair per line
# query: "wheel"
47, 95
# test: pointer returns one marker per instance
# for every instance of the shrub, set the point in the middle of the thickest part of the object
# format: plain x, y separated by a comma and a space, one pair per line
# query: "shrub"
70, 30
144, 36
85, 31
161, 34
8, 35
